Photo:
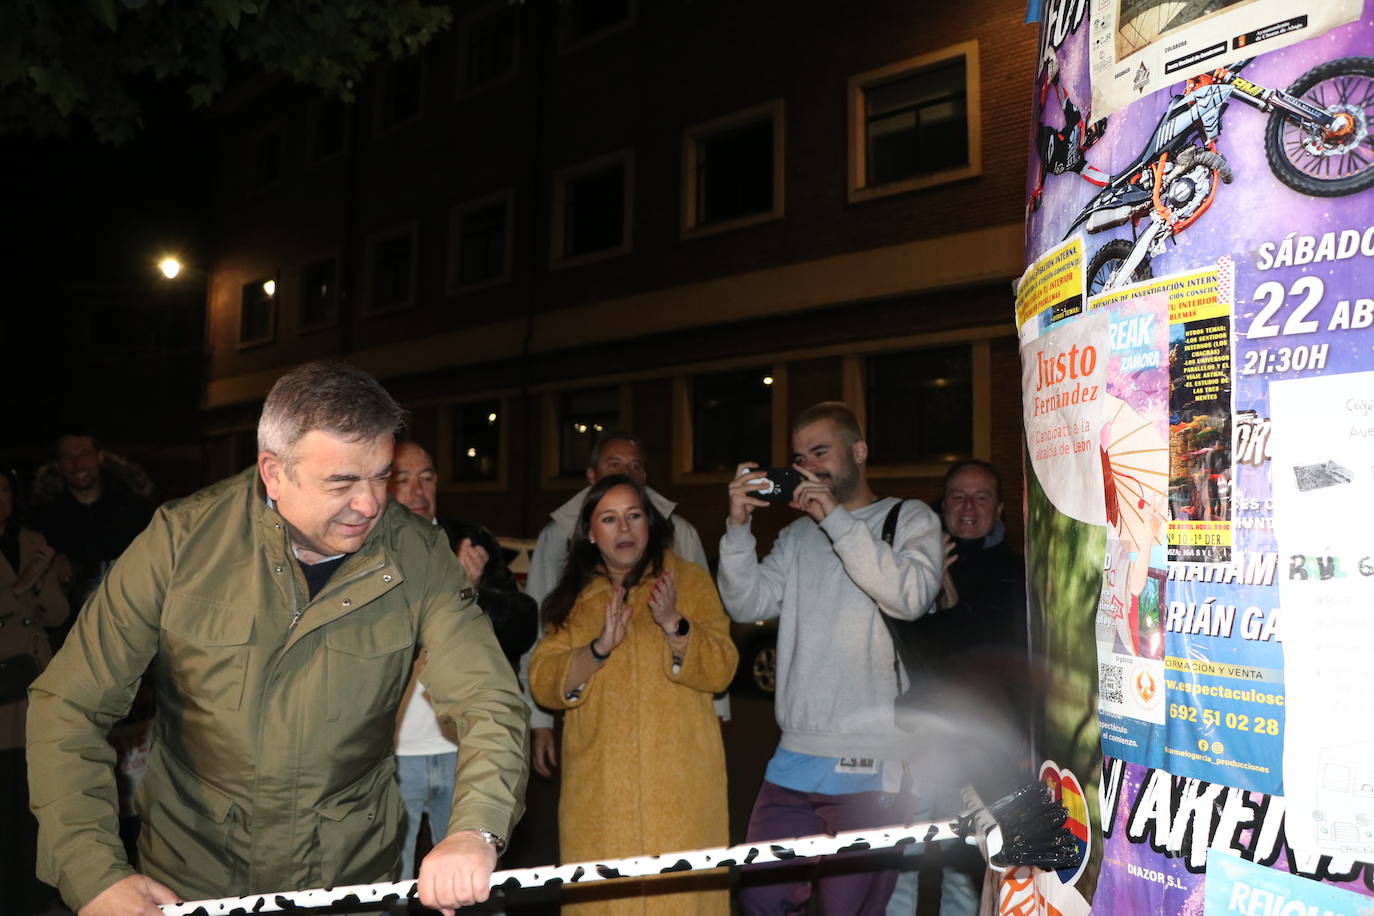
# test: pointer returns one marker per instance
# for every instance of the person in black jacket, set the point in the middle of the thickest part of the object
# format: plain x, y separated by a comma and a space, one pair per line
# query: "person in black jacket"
89, 505
974, 649
986, 576
514, 616
426, 747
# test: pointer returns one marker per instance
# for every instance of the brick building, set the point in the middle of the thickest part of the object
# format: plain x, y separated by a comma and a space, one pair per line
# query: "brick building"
689, 218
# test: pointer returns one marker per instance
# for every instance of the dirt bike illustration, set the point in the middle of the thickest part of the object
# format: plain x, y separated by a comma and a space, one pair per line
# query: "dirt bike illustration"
1317, 142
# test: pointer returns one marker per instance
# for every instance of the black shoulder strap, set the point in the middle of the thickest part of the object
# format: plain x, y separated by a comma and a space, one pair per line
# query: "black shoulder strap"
903, 638
890, 523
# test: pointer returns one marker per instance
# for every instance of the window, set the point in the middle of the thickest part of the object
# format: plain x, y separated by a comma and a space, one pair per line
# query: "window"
402, 92
477, 441
915, 124
265, 152
732, 419
245, 449
581, 21
732, 169
581, 416
480, 242
592, 206
258, 312
391, 270
488, 45
319, 293
328, 122
920, 405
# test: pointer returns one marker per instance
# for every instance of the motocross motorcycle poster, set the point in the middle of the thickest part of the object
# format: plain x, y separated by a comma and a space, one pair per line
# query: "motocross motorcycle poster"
1233, 200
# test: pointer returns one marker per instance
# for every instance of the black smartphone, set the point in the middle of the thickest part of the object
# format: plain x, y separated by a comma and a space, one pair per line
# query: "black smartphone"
776, 485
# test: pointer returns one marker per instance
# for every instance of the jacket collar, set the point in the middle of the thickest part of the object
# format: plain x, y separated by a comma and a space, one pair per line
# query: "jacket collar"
565, 516
362, 577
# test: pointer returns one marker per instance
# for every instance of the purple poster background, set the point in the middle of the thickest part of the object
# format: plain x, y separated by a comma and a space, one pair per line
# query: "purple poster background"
1302, 304
1160, 825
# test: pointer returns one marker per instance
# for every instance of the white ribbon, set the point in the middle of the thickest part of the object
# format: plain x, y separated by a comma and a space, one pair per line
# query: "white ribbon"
586, 872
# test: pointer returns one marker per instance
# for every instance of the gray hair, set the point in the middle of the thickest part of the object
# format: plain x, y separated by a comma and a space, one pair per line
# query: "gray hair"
329, 396
609, 436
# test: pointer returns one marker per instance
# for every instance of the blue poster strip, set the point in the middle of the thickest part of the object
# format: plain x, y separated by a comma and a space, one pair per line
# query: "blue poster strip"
1236, 887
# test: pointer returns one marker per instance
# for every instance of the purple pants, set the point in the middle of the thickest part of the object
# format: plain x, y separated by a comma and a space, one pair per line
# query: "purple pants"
844, 886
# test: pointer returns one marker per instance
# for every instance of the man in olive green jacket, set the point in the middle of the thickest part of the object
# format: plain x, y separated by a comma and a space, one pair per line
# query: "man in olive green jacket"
280, 611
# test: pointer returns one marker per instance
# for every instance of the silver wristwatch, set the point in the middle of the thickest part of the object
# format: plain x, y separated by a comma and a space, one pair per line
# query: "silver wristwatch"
496, 842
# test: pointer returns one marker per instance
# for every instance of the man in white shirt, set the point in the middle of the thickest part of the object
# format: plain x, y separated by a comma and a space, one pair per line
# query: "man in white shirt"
425, 754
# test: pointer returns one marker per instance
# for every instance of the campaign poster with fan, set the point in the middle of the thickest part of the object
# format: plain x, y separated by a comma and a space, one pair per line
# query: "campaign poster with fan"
1134, 453
1199, 406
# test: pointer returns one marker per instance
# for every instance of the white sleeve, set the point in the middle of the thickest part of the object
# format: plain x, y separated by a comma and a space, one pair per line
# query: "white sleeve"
546, 562
539, 718
687, 543
749, 589
904, 579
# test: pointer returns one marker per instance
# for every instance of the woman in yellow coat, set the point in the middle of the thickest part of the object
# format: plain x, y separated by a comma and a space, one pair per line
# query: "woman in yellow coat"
635, 644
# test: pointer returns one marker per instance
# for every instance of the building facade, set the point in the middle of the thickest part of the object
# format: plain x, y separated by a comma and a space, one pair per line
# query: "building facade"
688, 218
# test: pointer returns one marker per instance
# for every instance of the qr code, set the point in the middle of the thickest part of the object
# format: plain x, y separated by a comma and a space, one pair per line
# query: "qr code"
1109, 683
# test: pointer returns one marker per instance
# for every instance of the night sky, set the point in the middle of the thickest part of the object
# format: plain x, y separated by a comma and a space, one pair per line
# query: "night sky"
88, 324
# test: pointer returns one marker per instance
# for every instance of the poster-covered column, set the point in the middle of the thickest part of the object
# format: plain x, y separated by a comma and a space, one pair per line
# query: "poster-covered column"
1200, 214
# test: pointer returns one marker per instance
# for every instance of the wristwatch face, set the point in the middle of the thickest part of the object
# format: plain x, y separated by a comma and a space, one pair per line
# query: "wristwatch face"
496, 842
683, 626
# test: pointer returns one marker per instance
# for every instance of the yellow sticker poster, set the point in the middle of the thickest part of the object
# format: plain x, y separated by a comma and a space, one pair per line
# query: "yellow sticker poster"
1051, 289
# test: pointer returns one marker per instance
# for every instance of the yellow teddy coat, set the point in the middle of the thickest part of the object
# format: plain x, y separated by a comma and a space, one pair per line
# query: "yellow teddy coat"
643, 762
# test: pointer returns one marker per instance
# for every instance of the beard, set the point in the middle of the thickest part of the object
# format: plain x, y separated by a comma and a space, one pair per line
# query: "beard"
844, 483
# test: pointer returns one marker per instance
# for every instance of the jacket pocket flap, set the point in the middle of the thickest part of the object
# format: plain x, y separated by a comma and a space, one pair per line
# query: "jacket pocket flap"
194, 791
359, 794
206, 622
370, 639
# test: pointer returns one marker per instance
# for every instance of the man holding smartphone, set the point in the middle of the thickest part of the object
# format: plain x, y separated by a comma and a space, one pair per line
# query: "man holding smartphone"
829, 577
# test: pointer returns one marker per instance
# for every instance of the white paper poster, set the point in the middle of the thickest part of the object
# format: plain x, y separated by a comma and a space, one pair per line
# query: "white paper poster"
1139, 46
1323, 478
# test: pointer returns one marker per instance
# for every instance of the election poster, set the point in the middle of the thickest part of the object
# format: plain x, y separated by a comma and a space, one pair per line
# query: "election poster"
1211, 165
1199, 402
1134, 452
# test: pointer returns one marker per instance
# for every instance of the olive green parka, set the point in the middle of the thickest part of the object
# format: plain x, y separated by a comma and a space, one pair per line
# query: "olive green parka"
271, 766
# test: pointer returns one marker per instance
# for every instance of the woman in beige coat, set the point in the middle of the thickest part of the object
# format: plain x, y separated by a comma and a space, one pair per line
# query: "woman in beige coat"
30, 599
636, 643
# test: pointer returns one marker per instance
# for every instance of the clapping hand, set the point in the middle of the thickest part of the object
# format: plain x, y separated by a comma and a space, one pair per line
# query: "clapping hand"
663, 603
617, 622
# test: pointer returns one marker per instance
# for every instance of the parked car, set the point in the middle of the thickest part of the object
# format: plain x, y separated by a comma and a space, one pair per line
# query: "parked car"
758, 655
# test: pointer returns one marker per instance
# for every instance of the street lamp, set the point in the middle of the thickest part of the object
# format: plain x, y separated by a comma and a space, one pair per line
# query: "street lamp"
170, 267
